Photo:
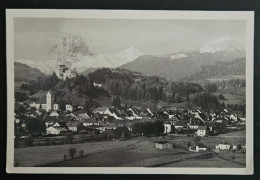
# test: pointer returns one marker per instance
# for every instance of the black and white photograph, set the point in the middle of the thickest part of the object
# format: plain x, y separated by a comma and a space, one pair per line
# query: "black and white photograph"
107, 91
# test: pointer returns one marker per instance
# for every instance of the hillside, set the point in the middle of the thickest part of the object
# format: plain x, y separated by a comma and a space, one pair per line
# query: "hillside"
79, 90
134, 86
219, 70
24, 72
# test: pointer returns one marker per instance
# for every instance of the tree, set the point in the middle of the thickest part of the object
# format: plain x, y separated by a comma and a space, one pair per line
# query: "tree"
116, 101
69, 138
72, 152
177, 98
81, 152
122, 131
64, 157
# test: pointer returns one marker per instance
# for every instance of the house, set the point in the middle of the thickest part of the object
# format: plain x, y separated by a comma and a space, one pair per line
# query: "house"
89, 122
135, 113
194, 124
100, 110
54, 113
82, 116
114, 113
50, 120
69, 107
163, 145
97, 84
198, 147
73, 126
167, 128
223, 147
180, 125
55, 130
202, 131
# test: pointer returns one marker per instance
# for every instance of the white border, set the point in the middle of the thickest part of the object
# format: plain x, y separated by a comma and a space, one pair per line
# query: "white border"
248, 16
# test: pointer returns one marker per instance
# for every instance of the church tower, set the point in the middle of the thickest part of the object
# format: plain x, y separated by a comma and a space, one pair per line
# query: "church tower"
50, 101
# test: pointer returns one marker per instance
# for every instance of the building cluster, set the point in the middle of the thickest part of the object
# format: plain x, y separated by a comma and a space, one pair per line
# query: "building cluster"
49, 104
175, 120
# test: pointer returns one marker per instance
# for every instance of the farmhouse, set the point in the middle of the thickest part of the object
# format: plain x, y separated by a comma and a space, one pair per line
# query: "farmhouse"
202, 131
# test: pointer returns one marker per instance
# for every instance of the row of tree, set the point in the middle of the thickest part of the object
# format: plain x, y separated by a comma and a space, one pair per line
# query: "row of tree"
148, 128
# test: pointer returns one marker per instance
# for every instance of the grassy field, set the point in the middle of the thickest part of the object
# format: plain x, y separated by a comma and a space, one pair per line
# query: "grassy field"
139, 152
234, 99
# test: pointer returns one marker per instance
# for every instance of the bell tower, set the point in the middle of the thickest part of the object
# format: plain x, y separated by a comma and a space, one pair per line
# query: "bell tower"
50, 101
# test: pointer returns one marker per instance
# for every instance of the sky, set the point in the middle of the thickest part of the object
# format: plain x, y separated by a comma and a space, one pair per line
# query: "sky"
33, 36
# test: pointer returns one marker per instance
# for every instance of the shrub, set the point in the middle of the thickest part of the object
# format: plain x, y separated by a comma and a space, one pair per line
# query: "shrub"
72, 152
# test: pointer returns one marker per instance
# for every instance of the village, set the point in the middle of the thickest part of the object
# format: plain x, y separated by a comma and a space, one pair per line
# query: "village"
106, 120
160, 130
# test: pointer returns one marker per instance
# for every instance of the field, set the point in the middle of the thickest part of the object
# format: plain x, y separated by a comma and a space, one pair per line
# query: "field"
234, 99
139, 152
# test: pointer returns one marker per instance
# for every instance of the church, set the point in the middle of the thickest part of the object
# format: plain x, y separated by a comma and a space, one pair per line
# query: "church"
49, 106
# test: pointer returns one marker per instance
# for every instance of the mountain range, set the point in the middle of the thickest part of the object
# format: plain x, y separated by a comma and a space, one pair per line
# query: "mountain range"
174, 66
83, 63
182, 64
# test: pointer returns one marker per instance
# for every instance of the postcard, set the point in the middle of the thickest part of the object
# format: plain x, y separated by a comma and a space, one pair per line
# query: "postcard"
129, 91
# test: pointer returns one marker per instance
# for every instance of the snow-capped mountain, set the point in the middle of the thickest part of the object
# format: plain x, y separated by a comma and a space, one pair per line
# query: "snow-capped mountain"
83, 63
222, 44
181, 64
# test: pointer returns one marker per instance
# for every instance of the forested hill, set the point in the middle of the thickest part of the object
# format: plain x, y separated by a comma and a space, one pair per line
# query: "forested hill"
135, 86
26, 73
219, 69
78, 90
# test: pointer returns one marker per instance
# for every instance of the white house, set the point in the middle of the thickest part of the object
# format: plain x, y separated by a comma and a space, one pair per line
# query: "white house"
55, 130
72, 126
56, 107
134, 114
167, 128
223, 147
198, 147
202, 131
97, 85
113, 113
69, 107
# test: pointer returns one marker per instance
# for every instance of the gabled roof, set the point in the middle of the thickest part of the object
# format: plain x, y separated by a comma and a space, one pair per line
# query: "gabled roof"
101, 108
51, 119
202, 128
82, 116
89, 120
